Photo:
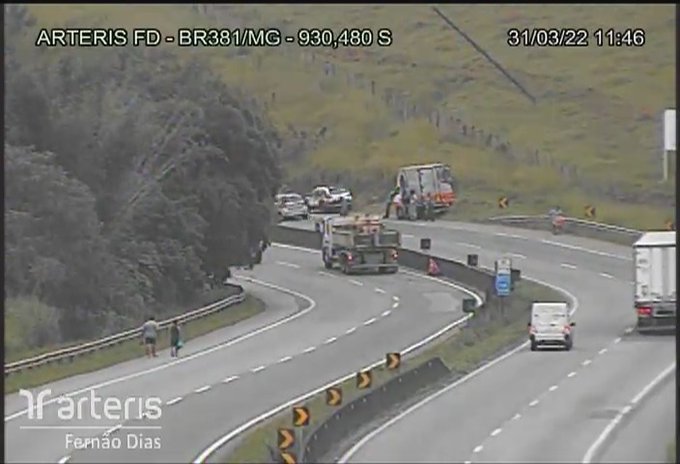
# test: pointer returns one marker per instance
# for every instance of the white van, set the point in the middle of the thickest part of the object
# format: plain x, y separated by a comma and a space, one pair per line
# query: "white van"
551, 325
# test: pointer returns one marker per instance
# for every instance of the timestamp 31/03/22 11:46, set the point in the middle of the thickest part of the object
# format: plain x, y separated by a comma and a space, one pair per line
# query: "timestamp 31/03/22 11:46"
575, 37
215, 37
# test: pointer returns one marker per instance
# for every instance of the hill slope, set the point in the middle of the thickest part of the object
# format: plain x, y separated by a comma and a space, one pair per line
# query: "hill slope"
592, 137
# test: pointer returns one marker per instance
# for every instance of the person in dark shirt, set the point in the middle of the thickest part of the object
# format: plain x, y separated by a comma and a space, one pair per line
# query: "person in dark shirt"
175, 339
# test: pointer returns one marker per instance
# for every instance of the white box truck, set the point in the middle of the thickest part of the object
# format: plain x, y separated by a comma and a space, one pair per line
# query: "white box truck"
654, 261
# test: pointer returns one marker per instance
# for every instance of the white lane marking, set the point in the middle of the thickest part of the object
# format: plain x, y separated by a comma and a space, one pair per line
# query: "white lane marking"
478, 449
350, 331
285, 359
470, 245
207, 452
395, 298
330, 340
202, 389
553, 388
64, 460
284, 263
617, 340
503, 234
173, 401
516, 416
230, 379
586, 250
533, 403
239, 339
628, 330
496, 432
258, 369
379, 290
568, 266
370, 321
386, 313
310, 349
602, 351
571, 374
356, 282
395, 305
517, 255
368, 437
607, 276
586, 362
327, 274
602, 438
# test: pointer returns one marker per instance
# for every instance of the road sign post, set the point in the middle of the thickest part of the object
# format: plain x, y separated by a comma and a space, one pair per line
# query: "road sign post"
503, 281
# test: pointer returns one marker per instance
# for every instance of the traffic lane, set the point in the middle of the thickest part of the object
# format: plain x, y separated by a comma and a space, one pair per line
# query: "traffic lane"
603, 314
324, 322
522, 376
519, 250
575, 410
608, 260
576, 244
195, 422
645, 435
278, 306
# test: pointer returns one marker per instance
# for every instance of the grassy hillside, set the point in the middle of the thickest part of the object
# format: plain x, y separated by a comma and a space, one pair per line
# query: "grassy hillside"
593, 137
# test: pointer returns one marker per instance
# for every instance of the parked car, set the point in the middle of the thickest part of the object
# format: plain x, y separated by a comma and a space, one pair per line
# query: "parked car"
328, 199
291, 206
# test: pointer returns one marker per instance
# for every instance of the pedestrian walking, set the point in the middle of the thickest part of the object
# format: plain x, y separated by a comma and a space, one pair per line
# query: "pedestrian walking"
175, 339
149, 335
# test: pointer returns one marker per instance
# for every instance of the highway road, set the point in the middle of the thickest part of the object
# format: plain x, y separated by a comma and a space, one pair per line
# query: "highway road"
545, 406
328, 326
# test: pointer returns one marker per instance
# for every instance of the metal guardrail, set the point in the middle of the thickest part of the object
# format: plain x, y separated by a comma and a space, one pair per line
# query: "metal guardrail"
71, 352
575, 226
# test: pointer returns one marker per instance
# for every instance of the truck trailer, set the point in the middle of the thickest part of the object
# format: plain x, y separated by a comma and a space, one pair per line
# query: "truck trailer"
359, 243
654, 261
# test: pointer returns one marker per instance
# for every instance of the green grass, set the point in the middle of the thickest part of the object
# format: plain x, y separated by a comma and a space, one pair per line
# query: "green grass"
130, 349
598, 107
461, 351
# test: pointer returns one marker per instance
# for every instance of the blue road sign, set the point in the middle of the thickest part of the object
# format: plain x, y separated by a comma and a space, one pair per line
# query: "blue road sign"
502, 284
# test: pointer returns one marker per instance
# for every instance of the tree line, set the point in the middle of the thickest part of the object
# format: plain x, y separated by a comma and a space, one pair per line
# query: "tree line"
131, 175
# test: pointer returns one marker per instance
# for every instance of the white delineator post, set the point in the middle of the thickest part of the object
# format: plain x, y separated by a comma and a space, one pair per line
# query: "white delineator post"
668, 139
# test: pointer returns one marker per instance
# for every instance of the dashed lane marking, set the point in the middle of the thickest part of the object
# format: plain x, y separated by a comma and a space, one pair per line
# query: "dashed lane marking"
284, 263
173, 401
285, 359
356, 282
568, 266
571, 374
586, 362
602, 351
395, 305
533, 403
202, 389
350, 331
496, 432
330, 340
478, 449
380, 290
370, 321
386, 313
258, 369
553, 388
607, 276
310, 349
230, 379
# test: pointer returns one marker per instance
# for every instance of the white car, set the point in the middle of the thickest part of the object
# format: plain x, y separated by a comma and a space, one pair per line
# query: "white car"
551, 325
291, 206
326, 199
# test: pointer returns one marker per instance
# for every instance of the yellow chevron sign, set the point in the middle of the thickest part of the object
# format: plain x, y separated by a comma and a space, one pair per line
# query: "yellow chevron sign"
288, 458
364, 379
300, 416
334, 396
503, 202
590, 211
393, 360
286, 438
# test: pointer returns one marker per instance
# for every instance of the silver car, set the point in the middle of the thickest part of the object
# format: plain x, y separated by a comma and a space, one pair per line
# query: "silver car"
291, 206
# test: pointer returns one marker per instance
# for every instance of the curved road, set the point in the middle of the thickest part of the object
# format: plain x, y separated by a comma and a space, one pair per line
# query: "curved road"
331, 326
543, 406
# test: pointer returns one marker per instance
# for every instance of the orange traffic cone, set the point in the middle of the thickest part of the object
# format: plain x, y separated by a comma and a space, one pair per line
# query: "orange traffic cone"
432, 268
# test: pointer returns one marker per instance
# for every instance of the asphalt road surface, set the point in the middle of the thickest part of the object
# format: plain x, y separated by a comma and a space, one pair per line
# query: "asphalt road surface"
547, 406
337, 325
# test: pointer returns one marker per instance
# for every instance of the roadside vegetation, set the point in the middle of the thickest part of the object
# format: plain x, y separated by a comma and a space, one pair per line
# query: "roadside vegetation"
133, 179
131, 349
593, 136
462, 351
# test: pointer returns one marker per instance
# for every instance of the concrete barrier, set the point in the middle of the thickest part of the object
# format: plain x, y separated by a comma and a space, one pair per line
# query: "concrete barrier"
363, 410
